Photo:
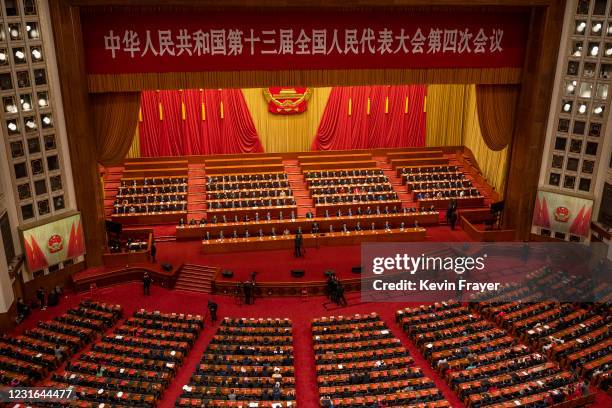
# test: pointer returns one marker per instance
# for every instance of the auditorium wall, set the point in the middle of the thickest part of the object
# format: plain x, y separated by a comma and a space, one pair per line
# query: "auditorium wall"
286, 133
452, 120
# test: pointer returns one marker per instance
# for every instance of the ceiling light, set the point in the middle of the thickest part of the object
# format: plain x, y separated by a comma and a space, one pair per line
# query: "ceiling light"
567, 107
46, 120
14, 33
19, 54
597, 27
581, 27
582, 108
36, 54
42, 102
2, 57
598, 110
30, 124
26, 106
11, 108
595, 50
12, 127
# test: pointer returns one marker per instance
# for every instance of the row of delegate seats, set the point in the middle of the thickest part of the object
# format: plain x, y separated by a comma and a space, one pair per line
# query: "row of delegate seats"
243, 177
248, 193
280, 201
347, 181
408, 170
437, 185
349, 174
359, 363
249, 362
483, 364
425, 177
133, 365
27, 358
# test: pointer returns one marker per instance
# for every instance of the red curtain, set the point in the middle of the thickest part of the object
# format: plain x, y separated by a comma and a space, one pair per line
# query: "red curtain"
363, 117
177, 123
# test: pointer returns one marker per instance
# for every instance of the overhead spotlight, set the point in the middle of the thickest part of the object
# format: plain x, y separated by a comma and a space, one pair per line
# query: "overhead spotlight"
597, 28
12, 127
36, 54
595, 50
31, 124
19, 55
46, 120
582, 108
580, 28
42, 102
567, 107
598, 110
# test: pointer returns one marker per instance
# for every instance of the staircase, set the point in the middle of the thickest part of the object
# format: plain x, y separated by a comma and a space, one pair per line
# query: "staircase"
196, 278
112, 180
298, 187
196, 193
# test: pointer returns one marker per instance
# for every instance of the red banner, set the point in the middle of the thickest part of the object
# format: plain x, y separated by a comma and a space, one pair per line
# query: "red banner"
233, 41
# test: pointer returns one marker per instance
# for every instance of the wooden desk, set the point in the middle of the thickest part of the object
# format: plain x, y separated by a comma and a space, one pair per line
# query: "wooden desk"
148, 165
198, 231
126, 258
155, 172
442, 202
312, 240
334, 165
440, 161
246, 161
245, 168
415, 155
333, 208
168, 217
241, 212
335, 157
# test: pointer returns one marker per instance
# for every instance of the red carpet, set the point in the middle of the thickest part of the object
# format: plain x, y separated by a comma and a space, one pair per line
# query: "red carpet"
301, 312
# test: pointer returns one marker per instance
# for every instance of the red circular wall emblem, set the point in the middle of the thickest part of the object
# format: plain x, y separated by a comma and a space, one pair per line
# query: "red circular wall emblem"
55, 244
562, 214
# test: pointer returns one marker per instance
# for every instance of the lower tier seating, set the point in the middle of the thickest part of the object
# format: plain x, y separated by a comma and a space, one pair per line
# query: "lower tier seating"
249, 363
360, 364
134, 365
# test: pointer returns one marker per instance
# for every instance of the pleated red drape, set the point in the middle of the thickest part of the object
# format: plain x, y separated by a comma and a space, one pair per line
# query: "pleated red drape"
396, 118
177, 123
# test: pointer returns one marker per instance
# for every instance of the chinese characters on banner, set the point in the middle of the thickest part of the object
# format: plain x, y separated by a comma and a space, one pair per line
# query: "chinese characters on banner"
234, 41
